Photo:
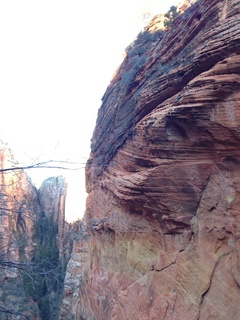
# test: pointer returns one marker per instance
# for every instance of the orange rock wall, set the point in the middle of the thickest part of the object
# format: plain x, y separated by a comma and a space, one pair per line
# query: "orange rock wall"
19, 211
161, 233
19, 208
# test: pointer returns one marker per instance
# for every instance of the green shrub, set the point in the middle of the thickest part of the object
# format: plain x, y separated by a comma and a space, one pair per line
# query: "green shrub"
44, 307
170, 16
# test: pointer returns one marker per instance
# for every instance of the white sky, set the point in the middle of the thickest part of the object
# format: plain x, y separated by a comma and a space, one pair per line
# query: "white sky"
56, 60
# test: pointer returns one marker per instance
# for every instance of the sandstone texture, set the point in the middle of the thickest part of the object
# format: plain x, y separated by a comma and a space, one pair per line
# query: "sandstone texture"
161, 234
35, 242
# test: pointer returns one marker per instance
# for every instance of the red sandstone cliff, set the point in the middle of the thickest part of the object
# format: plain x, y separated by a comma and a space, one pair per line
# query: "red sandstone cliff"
161, 235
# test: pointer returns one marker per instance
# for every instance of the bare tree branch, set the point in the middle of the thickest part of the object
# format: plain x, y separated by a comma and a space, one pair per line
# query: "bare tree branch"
55, 164
47, 165
7, 311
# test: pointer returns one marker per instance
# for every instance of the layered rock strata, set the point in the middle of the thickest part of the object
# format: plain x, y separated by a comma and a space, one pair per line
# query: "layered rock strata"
161, 237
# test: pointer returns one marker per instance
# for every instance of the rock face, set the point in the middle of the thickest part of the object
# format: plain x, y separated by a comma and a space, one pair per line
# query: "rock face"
162, 224
35, 243
19, 211
52, 197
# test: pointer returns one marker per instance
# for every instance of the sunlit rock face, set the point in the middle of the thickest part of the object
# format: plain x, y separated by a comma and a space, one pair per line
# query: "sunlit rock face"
19, 206
52, 197
160, 237
24, 211
19, 211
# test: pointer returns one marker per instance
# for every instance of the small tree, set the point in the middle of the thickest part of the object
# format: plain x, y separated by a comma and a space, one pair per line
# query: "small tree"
170, 16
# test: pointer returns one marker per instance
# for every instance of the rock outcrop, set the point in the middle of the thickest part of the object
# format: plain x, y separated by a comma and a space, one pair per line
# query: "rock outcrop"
161, 235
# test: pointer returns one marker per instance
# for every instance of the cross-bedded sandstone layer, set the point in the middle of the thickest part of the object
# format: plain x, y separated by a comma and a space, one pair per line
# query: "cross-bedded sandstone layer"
162, 238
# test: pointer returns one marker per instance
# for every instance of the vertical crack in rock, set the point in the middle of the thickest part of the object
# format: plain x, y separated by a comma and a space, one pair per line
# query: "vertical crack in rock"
204, 295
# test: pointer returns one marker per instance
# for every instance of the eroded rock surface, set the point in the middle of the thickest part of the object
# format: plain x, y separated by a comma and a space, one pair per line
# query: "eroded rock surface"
19, 211
162, 225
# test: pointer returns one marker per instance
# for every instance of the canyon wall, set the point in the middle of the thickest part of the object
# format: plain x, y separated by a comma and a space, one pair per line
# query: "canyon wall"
35, 242
160, 238
19, 211
52, 197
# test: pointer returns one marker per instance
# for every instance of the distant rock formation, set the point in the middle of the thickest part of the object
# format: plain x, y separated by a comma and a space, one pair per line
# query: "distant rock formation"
52, 197
160, 238
35, 243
